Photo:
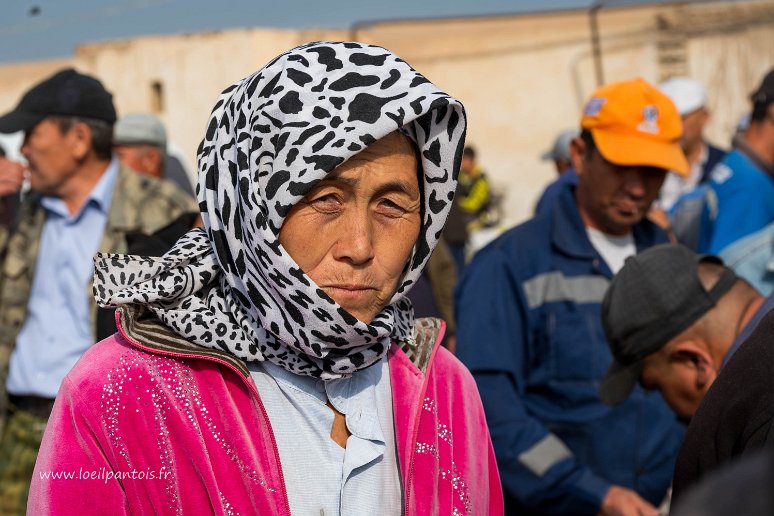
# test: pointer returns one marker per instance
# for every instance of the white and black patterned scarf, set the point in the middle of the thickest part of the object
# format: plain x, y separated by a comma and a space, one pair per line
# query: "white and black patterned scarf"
271, 137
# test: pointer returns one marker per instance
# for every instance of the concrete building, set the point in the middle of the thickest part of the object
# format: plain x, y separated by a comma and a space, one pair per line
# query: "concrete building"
522, 78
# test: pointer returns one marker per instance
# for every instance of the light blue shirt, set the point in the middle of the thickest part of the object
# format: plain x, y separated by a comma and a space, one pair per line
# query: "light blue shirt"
58, 327
752, 258
322, 478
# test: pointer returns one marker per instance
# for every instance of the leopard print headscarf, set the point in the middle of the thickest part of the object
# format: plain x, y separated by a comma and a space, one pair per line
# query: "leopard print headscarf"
271, 137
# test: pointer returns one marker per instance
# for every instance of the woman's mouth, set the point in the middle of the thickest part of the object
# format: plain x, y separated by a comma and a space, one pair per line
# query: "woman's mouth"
347, 290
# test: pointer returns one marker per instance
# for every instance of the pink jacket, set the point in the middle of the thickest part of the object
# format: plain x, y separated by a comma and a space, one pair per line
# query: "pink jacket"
148, 426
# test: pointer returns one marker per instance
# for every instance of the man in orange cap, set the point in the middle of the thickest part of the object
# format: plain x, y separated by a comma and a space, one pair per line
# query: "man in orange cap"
529, 327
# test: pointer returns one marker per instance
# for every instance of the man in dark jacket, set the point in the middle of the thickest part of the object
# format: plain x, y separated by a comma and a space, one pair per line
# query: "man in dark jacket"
528, 323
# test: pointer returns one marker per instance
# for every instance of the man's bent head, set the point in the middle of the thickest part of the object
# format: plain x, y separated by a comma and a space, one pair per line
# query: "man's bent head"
659, 316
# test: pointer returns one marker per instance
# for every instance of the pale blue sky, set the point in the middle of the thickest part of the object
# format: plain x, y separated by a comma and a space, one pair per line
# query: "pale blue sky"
61, 24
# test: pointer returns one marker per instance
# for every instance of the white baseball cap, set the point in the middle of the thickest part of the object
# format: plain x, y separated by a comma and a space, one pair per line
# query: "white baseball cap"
687, 94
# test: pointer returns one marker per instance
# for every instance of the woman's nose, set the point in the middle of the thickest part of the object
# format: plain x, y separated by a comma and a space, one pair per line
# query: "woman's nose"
355, 242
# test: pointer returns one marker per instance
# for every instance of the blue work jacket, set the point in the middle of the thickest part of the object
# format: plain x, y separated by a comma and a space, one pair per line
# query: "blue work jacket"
744, 202
529, 329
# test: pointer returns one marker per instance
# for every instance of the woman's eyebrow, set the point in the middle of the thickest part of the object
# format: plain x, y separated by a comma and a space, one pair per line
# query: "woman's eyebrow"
390, 186
348, 181
398, 186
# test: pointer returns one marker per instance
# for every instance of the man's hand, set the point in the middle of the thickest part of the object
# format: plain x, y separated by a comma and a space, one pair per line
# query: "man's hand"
11, 176
620, 501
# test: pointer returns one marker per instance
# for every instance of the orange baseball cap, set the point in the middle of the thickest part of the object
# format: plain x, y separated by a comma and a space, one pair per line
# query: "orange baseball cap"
633, 123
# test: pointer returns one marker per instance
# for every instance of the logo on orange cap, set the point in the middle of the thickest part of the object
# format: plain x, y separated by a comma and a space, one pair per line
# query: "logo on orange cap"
649, 125
635, 124
594, 106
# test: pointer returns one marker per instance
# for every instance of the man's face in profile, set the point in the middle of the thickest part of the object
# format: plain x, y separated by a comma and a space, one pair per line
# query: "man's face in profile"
680, 372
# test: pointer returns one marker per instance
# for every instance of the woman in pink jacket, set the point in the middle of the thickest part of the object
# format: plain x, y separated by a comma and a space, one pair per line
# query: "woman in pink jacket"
270, 362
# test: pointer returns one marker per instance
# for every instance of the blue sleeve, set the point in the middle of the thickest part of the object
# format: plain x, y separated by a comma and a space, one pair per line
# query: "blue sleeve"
493, 340
745, 205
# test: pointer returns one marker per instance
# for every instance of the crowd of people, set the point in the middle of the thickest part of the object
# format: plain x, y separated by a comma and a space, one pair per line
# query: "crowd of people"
332, 320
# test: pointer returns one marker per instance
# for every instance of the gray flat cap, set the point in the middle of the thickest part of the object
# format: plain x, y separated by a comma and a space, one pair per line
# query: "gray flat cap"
140, 129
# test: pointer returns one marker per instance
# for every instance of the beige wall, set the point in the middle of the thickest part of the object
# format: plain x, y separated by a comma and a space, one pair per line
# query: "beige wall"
192, 69
525, 78
521, 78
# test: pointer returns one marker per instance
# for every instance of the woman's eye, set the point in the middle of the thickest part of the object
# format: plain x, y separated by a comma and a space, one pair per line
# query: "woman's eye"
391, 208
326, 203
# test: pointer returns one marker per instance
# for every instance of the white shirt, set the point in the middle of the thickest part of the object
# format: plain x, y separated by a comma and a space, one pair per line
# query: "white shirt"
321, 477
613, 249
675, 186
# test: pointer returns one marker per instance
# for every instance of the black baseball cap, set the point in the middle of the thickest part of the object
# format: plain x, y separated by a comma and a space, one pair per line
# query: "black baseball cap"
653, 298
66, 93
764, 95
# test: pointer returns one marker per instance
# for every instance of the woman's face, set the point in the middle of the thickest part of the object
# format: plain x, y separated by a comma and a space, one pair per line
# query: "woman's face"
354, 232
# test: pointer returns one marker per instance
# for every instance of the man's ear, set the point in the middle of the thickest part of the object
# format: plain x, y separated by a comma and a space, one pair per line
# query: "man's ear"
698, 357
80, 140
577, 153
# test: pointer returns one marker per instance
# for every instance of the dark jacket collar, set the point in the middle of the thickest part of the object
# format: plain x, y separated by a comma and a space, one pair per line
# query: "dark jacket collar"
568, 234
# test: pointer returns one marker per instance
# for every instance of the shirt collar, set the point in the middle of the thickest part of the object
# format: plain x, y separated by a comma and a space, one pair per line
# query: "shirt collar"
354, 396
100, 195
102, 192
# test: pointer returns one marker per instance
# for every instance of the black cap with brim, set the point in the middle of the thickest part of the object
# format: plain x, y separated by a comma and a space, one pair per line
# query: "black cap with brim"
619, 382
19, 121
66, 93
